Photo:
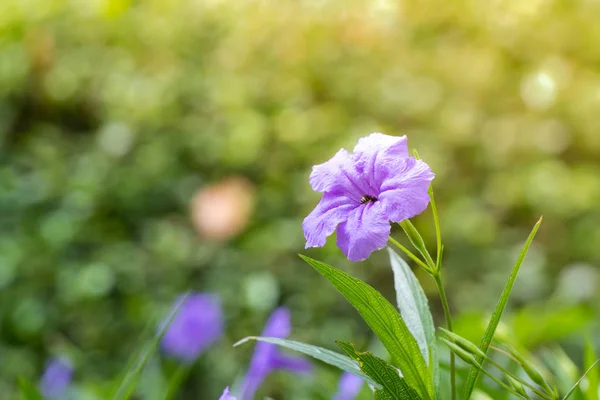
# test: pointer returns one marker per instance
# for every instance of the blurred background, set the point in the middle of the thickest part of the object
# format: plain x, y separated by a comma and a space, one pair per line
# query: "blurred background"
152, 147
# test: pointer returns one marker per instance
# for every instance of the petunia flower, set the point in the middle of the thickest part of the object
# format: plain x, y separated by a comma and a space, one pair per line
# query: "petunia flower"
197, 325
226, 395
56, 379
348, 387
363, 191
267, 357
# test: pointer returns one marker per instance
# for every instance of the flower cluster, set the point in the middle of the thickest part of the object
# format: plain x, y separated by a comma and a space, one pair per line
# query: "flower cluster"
362, 192
199, 323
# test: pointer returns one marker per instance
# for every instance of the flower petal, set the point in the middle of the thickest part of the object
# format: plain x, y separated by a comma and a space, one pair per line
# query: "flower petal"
332, 210
403, 192
279, 324
340, 175
198, 324
379, 143
227, 395
265, 354
56, 379
373, 157
366, 230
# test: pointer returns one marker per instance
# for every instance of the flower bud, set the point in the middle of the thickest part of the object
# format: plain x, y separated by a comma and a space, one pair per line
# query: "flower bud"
459, 351
463, 343
518, 387
417, 241
530, 370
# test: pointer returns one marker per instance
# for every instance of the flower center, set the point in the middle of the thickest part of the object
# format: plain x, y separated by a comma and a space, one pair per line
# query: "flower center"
366, 198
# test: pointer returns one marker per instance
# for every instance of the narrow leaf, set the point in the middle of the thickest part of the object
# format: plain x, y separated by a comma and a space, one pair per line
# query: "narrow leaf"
133, 371
495, 320
414, 308
393, 387
330, 357
570, 392
593, 376
385, 322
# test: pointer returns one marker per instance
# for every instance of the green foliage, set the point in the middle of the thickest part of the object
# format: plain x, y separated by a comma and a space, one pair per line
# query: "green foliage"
393, 387
495, 320
386, 323
28, 390
114, 113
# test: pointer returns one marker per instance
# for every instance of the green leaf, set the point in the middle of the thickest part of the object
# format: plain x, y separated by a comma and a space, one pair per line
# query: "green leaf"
385, 322
576, 385
327, 356
393, 386
134, 370
28, 390
495, 320
414, 308
593, 376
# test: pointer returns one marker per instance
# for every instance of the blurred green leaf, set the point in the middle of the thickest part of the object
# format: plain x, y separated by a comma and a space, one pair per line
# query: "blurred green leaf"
593, 377
392, 385
327, 356
152, 384
386, 322
570, 392
495, 320
537, 324
29, 390
562, 367
144, 355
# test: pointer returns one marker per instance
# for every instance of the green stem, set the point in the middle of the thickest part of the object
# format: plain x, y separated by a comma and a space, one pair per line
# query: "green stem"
522, 381
438, 232
411, 255
438, 280
502, 384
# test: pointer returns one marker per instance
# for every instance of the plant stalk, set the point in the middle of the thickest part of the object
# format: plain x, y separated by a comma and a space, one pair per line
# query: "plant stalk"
438, 280
522, 381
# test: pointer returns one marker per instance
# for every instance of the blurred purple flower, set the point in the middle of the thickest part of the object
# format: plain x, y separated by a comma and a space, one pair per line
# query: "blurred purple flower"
348, 387
267, 356
197, 325
56, 378
226, 395
363, 191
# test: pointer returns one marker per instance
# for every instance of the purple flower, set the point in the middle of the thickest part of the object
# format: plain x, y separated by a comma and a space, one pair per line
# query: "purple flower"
197, 325
267, 356
363, 191
56, 378
226, 395
349, 387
